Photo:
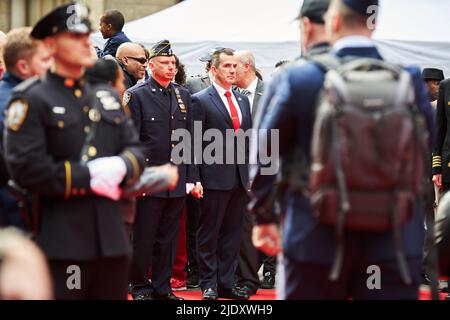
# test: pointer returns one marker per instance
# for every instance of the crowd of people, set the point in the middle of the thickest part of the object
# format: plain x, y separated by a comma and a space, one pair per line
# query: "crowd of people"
88, 163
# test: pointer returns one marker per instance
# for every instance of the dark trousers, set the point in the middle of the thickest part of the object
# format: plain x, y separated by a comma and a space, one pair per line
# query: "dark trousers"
309, 281
219, 236
99, 279
179, 267
250, 259
155, 240
192, 217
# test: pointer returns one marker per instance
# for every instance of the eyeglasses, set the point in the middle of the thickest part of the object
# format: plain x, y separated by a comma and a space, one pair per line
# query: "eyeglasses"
140, 60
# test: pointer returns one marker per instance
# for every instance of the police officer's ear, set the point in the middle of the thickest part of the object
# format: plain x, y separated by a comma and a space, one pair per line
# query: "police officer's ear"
333, 20
23, 68
151, 64
125, 61
306, 27
50, 43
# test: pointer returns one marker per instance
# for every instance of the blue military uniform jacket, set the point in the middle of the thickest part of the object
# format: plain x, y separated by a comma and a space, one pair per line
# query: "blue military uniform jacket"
304, 239
157, 113
47, 123
112, 45
7, 85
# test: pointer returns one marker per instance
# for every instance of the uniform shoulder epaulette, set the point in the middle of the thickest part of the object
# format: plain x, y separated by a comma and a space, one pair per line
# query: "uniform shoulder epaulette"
137, 87
180, 87
26, 85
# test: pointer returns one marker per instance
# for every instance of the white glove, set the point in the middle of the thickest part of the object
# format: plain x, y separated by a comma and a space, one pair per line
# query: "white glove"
106, 175
189, 187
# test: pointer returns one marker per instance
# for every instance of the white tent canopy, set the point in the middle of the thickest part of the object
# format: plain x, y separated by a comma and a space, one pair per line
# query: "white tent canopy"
409, 31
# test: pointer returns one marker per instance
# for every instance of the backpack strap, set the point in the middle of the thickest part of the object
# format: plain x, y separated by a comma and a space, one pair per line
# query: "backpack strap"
344, 207
325, 62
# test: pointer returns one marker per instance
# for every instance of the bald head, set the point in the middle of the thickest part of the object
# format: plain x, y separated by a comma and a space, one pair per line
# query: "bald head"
130, 49
246, 68
246, 57
132, 57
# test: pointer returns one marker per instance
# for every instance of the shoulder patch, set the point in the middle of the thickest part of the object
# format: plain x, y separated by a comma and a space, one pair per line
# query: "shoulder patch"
16, 114
126, 98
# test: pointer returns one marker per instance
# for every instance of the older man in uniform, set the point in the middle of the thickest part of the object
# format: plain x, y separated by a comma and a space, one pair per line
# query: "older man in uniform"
158, 108
75, 177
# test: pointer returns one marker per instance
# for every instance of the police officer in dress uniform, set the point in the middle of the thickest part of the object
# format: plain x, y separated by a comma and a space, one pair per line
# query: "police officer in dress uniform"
158, 108
76, 186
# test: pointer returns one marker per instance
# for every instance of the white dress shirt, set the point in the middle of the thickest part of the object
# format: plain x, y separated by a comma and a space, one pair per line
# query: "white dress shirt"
252, 89
222, 92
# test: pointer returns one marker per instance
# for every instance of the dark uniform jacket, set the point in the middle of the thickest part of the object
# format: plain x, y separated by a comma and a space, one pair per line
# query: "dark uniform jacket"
441, 151
157, 113
262, 188
198, 83
46, 127
210, 110
304, 238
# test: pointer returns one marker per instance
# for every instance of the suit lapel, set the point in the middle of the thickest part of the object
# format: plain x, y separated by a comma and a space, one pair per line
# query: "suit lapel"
219, 104
244, 111
258, 94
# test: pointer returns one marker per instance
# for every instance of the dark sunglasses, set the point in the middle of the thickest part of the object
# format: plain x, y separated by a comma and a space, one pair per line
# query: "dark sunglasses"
140, 60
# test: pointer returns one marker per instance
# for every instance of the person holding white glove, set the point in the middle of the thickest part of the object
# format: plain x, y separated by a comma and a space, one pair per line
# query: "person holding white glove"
106, 175
78, 219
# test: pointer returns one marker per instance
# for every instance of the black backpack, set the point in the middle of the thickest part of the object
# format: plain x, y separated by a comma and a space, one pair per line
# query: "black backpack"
368, 149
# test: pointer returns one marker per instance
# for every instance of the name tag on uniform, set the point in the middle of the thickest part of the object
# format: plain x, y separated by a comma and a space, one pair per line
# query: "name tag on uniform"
110, 103
59, 110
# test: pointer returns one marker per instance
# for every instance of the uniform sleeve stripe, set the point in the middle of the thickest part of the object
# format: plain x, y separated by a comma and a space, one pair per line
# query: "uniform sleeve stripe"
135, 165
68, 179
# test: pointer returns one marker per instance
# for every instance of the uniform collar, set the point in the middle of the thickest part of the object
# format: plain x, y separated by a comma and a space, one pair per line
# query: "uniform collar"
155, 85
66, 82
11, 78
353, 42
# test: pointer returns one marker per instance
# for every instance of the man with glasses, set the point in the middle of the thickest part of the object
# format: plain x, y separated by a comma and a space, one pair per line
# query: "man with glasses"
132, 59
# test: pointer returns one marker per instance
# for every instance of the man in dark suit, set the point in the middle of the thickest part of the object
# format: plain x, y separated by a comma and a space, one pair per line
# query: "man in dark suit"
111, 25
221, 110
159, 107
308, 246
250, 259
75, 180
195, 84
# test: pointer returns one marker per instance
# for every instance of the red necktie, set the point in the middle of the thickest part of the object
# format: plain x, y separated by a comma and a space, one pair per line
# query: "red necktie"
234, 113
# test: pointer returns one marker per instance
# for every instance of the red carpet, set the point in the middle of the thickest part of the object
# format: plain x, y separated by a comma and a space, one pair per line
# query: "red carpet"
270, 295
197, 295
